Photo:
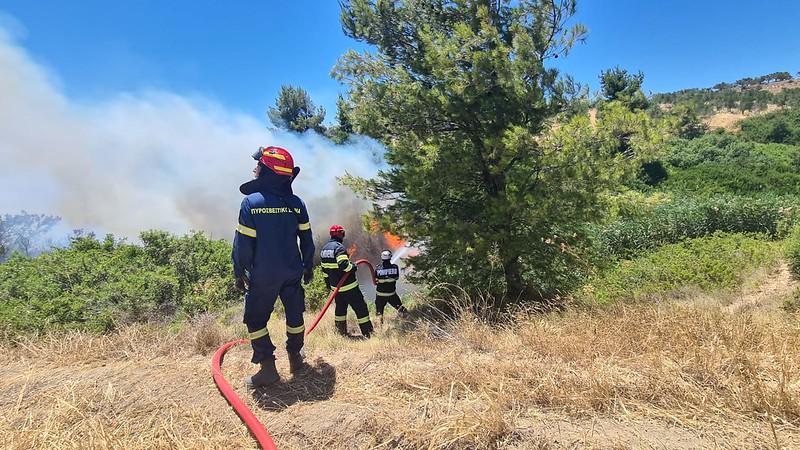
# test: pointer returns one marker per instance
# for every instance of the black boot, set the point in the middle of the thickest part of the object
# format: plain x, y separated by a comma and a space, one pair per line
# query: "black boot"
341, 328
297, 363
268, 374
366, 329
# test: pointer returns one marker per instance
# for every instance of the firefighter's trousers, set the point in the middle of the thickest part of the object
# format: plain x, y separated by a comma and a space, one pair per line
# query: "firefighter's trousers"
259, 303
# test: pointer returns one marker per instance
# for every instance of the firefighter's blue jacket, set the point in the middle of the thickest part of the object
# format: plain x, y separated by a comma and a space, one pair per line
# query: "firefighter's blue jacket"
271, 220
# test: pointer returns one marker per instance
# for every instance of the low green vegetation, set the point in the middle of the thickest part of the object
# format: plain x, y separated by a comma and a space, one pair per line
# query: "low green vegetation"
97, 285
691, 217
101, 284
793, 252
717, 262
722, 163
781, 127
717, 215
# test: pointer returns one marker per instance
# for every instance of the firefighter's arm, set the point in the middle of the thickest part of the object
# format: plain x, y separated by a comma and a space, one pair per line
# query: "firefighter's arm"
244, 242
343, 260
306, 238
396, 275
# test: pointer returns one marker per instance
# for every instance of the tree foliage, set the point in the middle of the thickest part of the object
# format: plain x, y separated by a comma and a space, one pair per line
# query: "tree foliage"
295, 111
461, 95
687, 123
344, 127
618, 85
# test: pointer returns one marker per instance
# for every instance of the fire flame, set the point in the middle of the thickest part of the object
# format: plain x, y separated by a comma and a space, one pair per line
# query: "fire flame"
352, 249
394, 242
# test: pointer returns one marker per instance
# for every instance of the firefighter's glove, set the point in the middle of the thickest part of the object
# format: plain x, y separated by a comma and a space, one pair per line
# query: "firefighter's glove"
308, 275
241, 284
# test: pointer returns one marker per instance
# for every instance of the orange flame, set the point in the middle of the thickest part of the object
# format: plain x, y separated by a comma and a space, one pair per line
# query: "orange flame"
394, 242
352, 249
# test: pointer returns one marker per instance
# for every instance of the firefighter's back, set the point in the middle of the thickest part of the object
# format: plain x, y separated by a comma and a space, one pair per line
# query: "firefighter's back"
276, 220
329, 256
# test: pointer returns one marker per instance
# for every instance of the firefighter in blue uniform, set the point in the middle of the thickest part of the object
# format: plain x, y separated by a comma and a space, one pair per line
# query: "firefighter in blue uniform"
267, 262
335, 265
387, 274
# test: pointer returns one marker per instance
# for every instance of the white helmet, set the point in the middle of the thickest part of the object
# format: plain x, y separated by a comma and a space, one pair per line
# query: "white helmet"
386, 255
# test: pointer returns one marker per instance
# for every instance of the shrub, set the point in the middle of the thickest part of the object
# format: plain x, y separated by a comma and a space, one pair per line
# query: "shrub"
723, 163
781, 127
687, 218
717, 262
317, 291
793, 252
98, 285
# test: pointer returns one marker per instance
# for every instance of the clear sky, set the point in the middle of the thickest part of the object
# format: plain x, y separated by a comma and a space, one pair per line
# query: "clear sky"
238, 53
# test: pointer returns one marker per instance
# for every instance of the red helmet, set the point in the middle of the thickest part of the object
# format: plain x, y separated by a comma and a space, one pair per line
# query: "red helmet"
277, 159
337, 231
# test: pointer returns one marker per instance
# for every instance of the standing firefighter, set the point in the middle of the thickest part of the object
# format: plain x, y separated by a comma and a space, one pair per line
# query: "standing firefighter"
267, 262
336, 264
387, 275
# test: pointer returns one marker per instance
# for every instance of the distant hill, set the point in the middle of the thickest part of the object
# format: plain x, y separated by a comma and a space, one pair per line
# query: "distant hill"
779, 86
725, 105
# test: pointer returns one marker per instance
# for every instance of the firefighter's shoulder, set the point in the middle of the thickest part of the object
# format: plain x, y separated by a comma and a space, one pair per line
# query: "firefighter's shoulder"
297, 204
332, 245
255, 199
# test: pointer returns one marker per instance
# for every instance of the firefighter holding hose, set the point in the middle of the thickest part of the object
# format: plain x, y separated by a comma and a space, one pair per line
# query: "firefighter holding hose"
336, 264
386, 275
267, 262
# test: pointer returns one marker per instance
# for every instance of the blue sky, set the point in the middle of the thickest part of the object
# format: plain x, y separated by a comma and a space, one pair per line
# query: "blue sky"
238, 53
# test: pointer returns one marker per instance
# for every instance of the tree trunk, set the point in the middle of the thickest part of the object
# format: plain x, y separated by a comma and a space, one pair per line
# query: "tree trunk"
516, 289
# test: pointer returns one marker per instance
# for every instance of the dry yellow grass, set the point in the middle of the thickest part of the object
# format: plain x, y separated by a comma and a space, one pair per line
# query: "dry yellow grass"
732, 120
718, 373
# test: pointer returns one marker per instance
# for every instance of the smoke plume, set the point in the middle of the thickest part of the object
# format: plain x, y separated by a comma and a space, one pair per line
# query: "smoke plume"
143, 160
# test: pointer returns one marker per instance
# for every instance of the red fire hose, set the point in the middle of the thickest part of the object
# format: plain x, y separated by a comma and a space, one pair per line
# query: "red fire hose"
336, 291
250, 420
256, 428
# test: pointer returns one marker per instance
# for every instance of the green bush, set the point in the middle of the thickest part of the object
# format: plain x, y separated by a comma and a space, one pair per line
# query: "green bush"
717, 262
98, 285
723, 163
690, 217
793, 252
782, 127
317, 291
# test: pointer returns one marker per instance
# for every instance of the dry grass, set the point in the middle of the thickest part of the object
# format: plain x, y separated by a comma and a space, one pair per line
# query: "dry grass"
732, 120
671, 375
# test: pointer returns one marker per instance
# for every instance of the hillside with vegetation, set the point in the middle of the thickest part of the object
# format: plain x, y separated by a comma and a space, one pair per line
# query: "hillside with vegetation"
621, 279
727, 105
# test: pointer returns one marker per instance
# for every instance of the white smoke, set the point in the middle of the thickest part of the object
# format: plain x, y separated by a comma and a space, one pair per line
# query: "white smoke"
145, 160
